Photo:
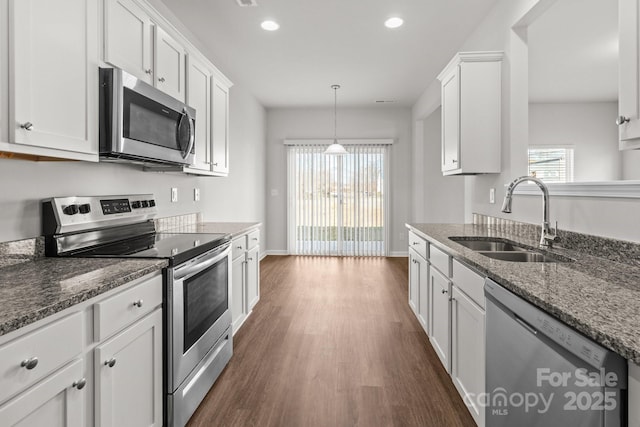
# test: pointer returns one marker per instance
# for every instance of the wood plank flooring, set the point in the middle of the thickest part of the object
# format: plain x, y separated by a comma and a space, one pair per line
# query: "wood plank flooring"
332, 342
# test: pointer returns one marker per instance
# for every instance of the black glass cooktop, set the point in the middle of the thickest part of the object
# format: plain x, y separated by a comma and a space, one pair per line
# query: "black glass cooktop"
176, 247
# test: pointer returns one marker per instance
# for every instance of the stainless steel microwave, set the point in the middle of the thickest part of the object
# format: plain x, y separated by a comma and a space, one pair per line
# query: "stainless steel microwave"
139, 123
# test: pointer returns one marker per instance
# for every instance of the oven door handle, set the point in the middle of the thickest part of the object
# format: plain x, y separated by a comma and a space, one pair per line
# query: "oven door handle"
182, 273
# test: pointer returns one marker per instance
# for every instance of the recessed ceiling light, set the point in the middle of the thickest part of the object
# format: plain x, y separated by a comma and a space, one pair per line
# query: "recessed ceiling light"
394, 22
270, 25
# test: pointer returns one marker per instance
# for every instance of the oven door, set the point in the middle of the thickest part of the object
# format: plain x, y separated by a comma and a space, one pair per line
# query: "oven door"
198, 311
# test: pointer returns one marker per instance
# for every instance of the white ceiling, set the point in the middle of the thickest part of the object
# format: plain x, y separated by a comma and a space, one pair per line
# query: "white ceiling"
323, 42
573, 52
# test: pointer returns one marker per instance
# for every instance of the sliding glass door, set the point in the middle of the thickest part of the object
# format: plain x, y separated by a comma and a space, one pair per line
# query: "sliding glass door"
337, 204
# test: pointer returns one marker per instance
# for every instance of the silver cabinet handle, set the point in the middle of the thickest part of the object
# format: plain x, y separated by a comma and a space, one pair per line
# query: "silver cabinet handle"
415, 243
215, 164
110, 363
29, 363
255, 238
161, 79
80, 383
454, 161
444, 291
27, 126
148, 71
249, 259
622, 120
238, 247
138, 303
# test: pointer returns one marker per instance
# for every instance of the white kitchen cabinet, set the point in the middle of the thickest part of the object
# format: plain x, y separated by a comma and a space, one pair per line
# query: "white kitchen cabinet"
245, 276
629, 74
253, 277
414, 281
220, 128
134, 42
468, 351
53, 108
57, 401
419, 287
170, 64
440, 316
128, 376
471, 100
199, 79
238, 294
128, 38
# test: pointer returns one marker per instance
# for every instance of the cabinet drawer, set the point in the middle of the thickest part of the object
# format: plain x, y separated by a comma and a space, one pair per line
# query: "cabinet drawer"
253, 239
239, 246
47, 348
439, 260
418, 244
118, 311
470, 282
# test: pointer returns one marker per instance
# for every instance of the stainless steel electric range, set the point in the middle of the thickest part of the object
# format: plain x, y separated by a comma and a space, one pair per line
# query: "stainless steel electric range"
197, 318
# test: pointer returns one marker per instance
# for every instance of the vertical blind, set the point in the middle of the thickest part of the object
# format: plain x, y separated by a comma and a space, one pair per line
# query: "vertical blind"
337, 204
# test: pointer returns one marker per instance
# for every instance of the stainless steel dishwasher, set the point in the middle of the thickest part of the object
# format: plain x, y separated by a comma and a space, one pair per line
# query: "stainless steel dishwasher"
541, 372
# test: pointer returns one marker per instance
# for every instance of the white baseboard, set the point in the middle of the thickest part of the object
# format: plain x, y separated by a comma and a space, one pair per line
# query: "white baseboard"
399, 254
277, 252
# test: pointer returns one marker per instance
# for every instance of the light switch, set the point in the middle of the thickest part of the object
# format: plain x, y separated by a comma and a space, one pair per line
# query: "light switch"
174, 195
492, 195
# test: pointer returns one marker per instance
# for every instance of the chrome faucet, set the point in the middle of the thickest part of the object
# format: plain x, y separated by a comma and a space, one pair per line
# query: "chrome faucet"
547, 238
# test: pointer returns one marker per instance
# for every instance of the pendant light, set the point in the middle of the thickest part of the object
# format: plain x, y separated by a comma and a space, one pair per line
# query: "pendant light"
335, 148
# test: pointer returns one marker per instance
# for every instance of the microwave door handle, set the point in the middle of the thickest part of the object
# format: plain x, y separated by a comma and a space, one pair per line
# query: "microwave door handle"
192, 137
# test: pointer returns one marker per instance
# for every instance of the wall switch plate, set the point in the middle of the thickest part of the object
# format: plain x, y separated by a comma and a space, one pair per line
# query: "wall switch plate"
492, 195
196, 194
174, 195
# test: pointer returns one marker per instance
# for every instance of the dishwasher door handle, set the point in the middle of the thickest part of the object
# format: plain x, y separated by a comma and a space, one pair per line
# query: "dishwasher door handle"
527, 326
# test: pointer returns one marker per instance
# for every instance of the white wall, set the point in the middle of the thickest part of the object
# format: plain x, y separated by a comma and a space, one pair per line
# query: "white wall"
302, 123
588, 127
238, 197
610, 217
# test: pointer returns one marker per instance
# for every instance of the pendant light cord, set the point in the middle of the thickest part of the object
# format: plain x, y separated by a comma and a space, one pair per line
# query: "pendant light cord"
335, 112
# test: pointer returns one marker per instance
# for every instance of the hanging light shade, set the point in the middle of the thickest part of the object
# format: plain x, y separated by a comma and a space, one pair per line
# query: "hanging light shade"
335, 148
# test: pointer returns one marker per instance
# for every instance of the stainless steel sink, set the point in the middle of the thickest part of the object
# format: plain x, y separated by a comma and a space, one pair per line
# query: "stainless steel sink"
522, 256
487, 245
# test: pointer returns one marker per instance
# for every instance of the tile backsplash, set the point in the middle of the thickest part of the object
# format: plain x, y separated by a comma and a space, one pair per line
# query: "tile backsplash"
164, 224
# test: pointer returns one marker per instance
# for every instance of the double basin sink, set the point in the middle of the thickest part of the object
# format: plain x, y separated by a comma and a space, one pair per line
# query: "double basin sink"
506, 250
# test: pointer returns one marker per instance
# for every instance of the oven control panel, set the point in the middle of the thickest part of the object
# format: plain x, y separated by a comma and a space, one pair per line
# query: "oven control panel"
77, 213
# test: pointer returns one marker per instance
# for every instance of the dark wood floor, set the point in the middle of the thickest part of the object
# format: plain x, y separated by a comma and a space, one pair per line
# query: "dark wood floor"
332, 342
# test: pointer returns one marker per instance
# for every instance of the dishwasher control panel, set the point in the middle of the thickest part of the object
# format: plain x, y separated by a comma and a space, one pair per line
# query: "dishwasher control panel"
570, 339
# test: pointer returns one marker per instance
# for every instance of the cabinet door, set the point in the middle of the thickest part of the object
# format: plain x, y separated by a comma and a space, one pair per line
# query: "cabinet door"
440, 316
53, 76
414, 277
451, 122
253, 277
238, 297
468, 351
423, 293
629, 72
220, 129
52, 402
127, 38
199, 97
170, 65
129, 376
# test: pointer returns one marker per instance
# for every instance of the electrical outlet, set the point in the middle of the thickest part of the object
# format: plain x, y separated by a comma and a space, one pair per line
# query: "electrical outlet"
174, 195
492, 195
196, 194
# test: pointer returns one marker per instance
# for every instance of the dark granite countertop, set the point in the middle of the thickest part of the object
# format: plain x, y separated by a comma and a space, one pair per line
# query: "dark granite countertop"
233, 228
596, 296
35, 289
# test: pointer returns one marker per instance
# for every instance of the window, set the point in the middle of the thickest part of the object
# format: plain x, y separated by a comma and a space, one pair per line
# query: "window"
337, 204
551, 164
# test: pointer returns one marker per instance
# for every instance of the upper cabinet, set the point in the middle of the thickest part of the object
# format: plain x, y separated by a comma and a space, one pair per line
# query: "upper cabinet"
139, 40
53, 106
133, 42
629, 74
128, 38
471, 100
220, 123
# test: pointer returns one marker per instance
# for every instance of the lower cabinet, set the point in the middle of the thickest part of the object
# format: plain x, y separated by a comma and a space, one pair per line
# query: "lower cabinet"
128, 375
419, 288
58, 400
98, 363
245, 276
440, 305
468, 351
